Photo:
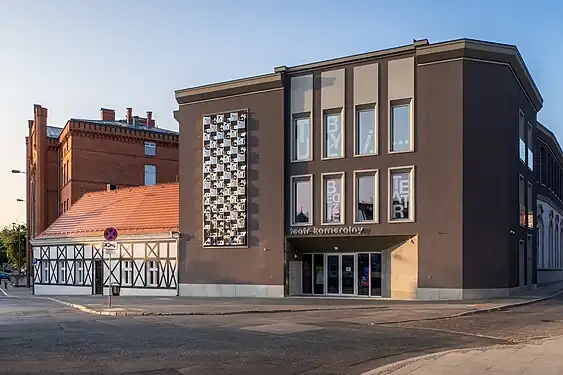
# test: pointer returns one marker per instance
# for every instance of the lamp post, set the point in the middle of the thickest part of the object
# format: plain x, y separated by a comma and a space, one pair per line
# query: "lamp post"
30, 229
28, 258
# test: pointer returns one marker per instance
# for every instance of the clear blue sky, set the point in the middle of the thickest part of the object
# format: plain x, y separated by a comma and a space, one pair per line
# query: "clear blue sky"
74, 57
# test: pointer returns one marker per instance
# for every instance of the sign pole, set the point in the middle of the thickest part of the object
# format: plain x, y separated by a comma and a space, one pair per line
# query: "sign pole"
109, 289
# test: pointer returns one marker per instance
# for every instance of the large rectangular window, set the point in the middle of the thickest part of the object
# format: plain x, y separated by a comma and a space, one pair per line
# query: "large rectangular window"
333, 136
521, 136
150, 148
302, 200
366, 132
530, 207
152, 273
127, 272
150, 174
366, 199
530, 143
400, 131
401, 199
333, 202
301, 139
521, 201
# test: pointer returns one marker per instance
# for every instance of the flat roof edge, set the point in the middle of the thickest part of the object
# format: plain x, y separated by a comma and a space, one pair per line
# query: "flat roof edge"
226, 85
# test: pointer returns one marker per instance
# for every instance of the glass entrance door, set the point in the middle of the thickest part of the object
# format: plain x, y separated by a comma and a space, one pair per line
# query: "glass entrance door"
375, 285
332, 276
348, 274
363, 274
319, 275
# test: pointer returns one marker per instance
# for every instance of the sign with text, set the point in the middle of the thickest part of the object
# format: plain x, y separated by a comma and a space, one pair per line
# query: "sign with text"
110, 247
315, 231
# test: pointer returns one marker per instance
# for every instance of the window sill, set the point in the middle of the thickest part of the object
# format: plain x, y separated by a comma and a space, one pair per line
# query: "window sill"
365, 155
332, 224
390, 221
400, 152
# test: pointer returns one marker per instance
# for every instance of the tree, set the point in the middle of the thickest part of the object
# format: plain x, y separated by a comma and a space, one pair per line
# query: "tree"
13, 240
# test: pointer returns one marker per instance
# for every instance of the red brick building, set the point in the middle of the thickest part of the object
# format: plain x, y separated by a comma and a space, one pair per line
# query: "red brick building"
64, 163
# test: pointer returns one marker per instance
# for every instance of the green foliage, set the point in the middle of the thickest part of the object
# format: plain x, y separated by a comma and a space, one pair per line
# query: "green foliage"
13, 241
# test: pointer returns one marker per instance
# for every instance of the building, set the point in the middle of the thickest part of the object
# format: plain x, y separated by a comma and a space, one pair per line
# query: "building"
69, 258
549, 167
394, 173
87, 155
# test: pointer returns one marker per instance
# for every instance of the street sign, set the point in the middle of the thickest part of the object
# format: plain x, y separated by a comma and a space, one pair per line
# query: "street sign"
35, 261
110, 247
110, 234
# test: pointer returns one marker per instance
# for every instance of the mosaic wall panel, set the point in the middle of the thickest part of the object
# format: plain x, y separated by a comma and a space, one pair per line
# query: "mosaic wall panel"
225, 179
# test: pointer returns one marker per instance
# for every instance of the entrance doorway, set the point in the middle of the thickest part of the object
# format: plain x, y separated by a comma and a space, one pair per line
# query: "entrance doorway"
98, 277
347, 274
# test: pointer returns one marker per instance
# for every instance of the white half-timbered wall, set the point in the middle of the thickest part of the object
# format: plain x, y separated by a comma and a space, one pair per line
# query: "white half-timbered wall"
142, 268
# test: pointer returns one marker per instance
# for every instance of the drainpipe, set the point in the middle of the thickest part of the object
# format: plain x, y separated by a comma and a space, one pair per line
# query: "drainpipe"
176, 236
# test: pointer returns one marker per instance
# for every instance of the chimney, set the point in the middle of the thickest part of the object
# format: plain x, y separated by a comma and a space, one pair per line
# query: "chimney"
129, 115
107, 114
30, 123
150, 121
110, 187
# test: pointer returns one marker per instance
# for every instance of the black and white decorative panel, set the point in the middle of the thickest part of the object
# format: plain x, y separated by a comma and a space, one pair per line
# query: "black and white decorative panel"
225, 179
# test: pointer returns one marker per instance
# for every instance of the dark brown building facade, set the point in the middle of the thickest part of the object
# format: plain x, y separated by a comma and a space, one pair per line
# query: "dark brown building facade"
86, 155
394, 173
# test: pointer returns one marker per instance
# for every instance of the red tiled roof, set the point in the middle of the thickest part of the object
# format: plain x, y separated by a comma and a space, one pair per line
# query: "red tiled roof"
136, 210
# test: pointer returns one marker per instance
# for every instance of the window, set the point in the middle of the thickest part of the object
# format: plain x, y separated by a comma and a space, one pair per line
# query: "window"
150, 148
333, 139
150, 174
301, 200
333, 202
79, 268
301, 139
401, 202
366, 132
521, 136
530, 207
62, 272
401, 128
127, 272
46, 279
366, 197
152, 273
530, 148
521, 201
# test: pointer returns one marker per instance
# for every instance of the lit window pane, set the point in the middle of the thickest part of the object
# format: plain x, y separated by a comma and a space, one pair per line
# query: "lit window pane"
400, 128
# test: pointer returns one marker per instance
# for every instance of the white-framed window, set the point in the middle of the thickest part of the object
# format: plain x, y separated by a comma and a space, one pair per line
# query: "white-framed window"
62, 272
401, 128
127, 278
45, 264
332, 198
301, 138
366, 196
530, 142
152, 273
401, 194
79, 272
302, 200
150, 174
333, 135
521, 200
150, 148
365, 132
521, 136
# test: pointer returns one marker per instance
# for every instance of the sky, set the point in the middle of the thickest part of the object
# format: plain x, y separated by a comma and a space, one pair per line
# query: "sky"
74, 57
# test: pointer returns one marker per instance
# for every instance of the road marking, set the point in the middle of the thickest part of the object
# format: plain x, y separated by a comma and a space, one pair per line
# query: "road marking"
2, 290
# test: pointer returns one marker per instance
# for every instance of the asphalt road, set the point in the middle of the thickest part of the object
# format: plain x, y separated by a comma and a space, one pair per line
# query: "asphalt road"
42, 337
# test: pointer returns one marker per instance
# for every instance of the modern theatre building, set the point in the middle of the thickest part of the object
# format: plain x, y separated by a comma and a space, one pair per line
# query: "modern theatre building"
394, 173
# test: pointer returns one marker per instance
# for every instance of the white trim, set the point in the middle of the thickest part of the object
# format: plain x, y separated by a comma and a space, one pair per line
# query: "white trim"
411, 218
333, 112
231, 96
401, 102
294, 118
342, 197
375, 174
292, 210
367, 107
100, 239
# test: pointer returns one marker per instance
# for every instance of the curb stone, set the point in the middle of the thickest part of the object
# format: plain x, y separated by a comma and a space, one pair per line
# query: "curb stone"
240, 312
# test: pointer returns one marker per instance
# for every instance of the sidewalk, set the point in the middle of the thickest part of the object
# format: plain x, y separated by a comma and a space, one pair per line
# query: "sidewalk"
540, 358
384, 311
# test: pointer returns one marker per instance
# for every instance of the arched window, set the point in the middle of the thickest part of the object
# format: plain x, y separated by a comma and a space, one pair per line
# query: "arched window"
550, 249
541, 244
